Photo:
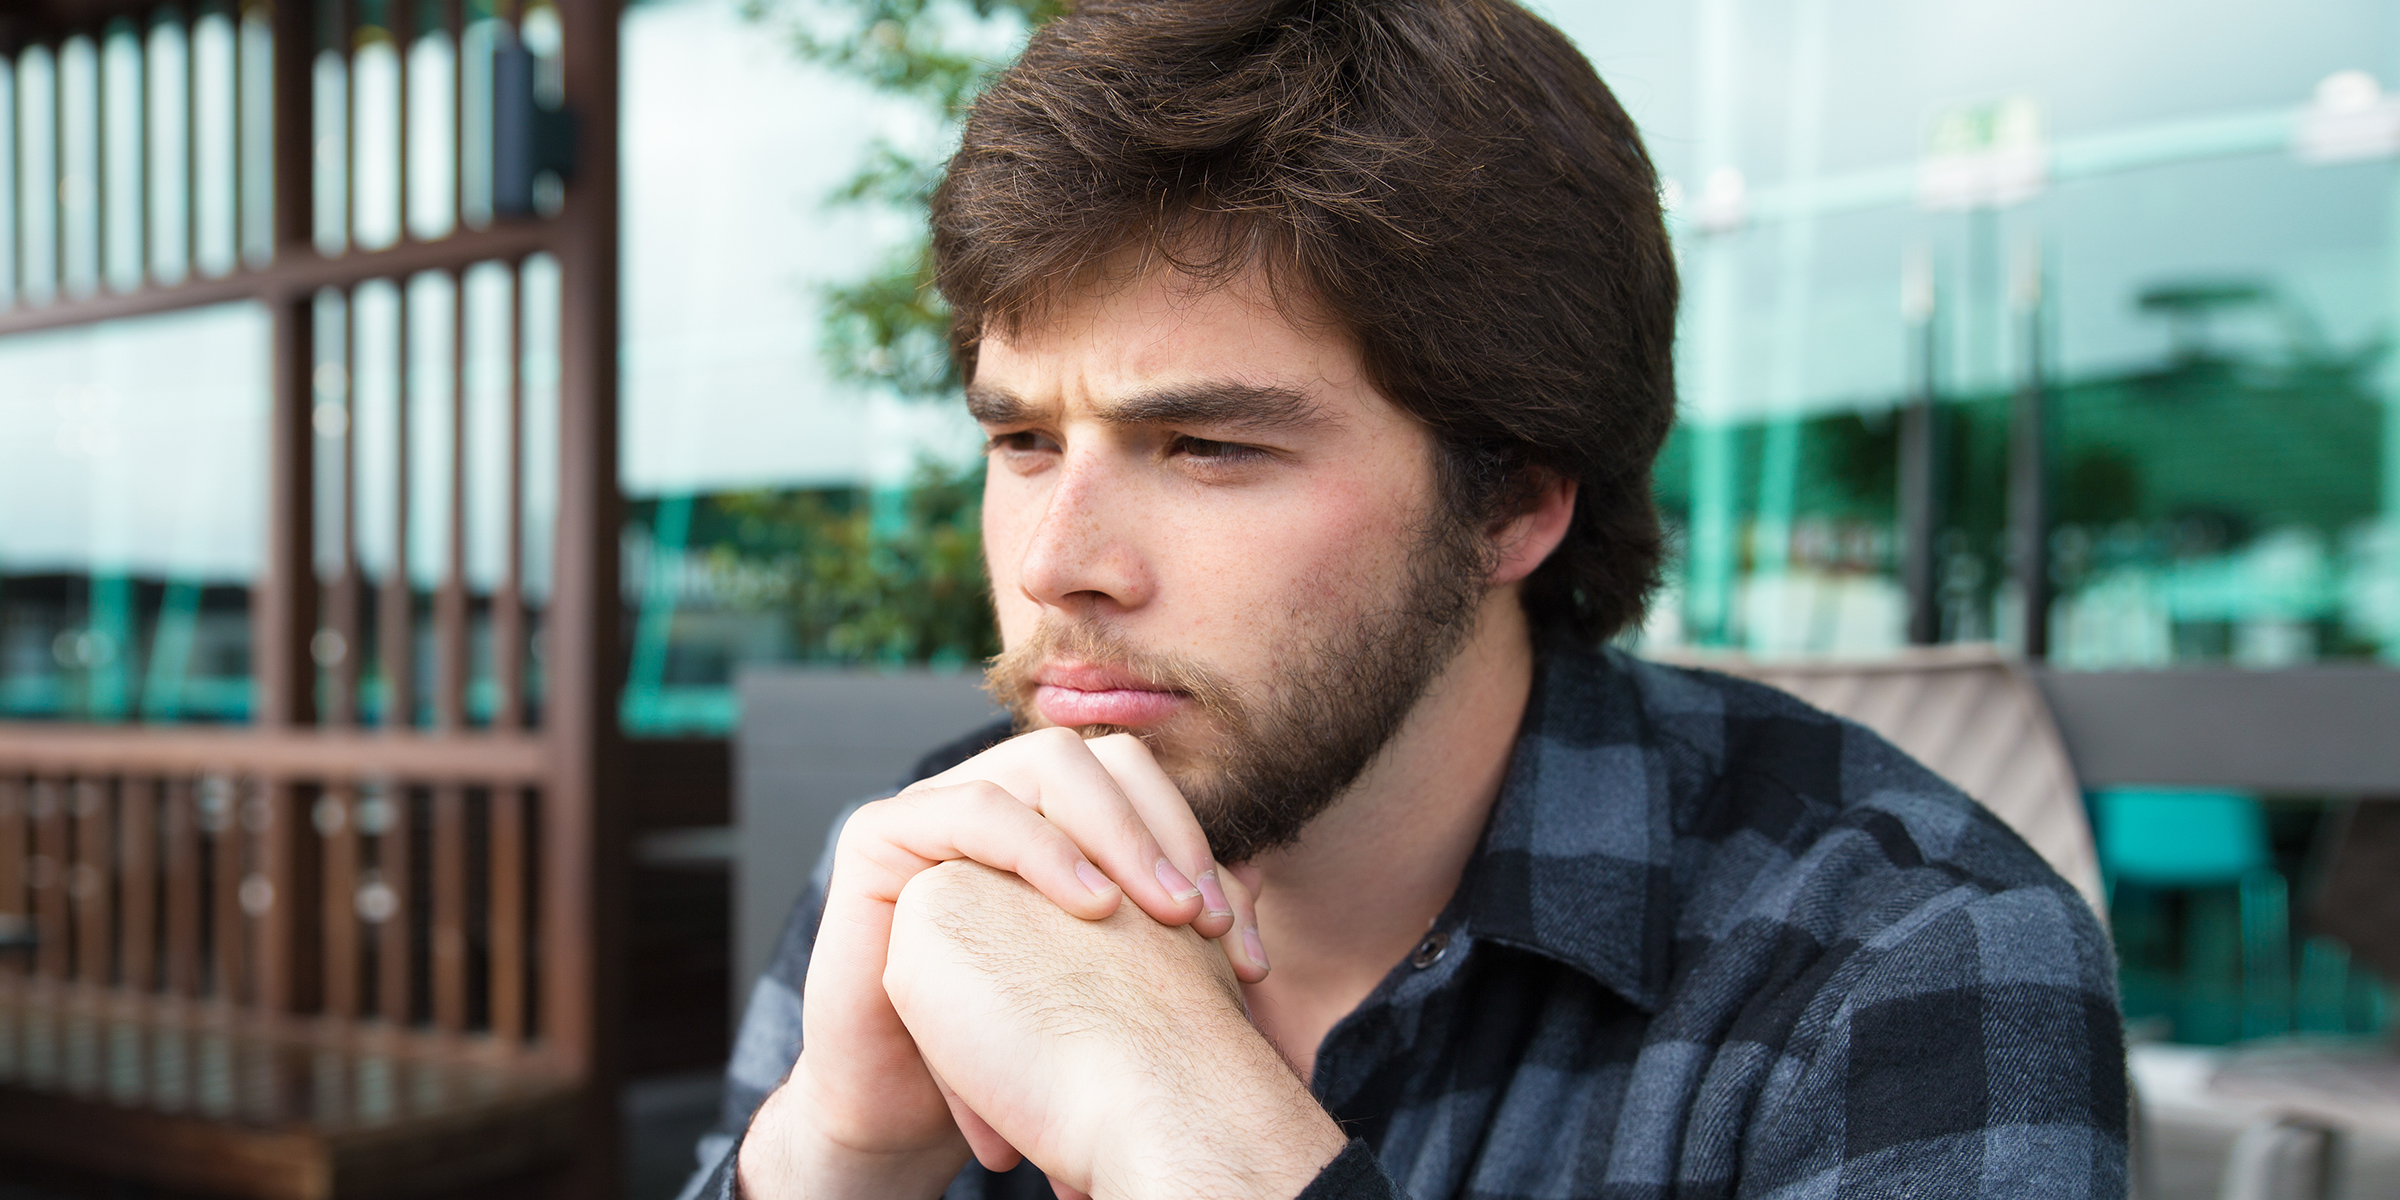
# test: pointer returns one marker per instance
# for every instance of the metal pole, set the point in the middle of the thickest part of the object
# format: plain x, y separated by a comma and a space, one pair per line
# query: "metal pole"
1921, 481
2029, 456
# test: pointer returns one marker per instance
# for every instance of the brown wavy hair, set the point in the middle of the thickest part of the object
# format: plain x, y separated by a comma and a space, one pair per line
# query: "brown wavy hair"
1447, 181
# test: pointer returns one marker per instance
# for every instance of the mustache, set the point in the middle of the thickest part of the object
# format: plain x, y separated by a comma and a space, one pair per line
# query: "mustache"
1010, 676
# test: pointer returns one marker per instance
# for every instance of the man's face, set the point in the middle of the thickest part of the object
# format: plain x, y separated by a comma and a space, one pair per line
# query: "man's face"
1205, 526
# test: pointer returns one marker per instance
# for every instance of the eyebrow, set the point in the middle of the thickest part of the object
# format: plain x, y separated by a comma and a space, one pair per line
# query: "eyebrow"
1234, 407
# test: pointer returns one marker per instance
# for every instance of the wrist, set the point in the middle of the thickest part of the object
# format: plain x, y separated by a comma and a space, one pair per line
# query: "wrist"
1235, 1122
792, 1151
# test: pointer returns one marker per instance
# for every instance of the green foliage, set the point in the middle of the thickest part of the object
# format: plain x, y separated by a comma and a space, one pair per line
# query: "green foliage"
891, 329
866, 579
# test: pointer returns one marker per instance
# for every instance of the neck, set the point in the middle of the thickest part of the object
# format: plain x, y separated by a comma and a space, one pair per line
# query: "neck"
1360, 888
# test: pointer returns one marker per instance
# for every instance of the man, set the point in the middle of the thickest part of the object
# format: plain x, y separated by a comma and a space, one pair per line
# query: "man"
1324, 347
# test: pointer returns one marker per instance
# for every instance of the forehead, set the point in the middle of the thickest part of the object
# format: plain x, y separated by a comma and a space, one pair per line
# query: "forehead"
1113, 339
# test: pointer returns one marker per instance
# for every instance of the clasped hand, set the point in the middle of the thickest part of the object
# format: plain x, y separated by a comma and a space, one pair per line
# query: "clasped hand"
978, 985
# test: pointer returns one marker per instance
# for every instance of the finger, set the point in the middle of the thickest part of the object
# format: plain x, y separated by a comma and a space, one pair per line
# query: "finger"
1244, 947
1169, 817
1055, 772
1064, 1191
992, 1150
888, 842
1250, 876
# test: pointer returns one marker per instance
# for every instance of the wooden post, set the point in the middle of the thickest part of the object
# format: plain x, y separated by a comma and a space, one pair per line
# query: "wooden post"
583, 831
283, 911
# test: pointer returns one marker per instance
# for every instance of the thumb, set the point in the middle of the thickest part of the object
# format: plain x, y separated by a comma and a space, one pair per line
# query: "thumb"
992, 1150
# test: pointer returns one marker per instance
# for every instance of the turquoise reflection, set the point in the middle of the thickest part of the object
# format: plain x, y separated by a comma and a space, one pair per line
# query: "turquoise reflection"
132, 510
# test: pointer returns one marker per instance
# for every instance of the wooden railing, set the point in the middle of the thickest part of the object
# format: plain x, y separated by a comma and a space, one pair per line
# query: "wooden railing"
351, 876
446, 877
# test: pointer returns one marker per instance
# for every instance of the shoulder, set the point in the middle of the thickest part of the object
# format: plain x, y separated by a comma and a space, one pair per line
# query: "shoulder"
1764, 786
1808, 849
1910, 977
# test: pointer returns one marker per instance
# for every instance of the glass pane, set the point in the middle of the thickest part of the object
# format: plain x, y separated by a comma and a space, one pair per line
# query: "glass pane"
751, 470
132, 511
2192, 269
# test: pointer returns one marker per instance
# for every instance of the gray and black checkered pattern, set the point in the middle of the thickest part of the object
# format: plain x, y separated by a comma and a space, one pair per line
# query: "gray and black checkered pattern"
1715, 943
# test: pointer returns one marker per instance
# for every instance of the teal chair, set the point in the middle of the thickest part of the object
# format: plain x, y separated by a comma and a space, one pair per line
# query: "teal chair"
2234, 976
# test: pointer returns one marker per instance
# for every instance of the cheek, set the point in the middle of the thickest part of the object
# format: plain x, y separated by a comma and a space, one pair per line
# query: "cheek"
1280, 577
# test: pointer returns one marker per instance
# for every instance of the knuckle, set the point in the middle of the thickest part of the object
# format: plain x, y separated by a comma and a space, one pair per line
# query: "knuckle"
987, 794
1053, 739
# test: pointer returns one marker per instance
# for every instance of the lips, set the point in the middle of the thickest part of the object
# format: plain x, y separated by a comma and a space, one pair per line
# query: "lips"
1078, 694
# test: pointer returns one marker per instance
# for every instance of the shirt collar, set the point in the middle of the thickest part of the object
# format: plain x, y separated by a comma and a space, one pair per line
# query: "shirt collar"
1575, 860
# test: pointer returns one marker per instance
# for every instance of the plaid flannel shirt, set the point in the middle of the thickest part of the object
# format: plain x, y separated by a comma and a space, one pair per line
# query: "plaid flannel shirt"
1714, 943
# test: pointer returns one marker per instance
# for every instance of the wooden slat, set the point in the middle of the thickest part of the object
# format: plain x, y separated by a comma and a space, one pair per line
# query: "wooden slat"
507, 909
336, 820
240, 145
395, 608
394, 970
14, 903
449, 933
345, 40
191, 158
508, 604
300, 272
283, 603
308, 754
141, 132
400, 19
102, 177
56, 190
88, 887
455, 21
228, 931
347, 618
450, 603
50, 870
183, 906
137, 882
286, 958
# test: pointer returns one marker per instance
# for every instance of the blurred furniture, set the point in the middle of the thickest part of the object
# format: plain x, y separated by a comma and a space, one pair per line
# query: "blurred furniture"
2265, 1121
812, 742
368, 944
1976, 718
2209, 848
2180, 837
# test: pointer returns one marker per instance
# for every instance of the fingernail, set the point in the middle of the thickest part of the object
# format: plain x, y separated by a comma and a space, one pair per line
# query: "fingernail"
1212, 893
1175, 881
1093, 879
1251, 947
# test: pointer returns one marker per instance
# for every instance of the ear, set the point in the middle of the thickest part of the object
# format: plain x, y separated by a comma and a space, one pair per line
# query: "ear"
1521, 543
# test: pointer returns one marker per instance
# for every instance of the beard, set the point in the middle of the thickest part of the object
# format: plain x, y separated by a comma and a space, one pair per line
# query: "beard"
1272, 758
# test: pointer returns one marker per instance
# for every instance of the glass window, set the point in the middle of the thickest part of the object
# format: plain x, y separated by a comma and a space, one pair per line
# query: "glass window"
750, 466
2176, 226
132, 517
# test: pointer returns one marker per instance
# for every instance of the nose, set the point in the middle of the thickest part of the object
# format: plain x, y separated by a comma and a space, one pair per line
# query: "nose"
1082, 553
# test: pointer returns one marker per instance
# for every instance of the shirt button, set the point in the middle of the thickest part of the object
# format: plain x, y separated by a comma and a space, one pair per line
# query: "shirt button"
1429, 951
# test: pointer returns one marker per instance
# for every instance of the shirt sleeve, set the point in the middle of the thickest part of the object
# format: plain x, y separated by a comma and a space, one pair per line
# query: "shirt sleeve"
768, 1042
1354, 1174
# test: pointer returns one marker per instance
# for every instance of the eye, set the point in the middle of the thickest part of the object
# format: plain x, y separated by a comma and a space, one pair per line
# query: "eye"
1215, 452
1022, 441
